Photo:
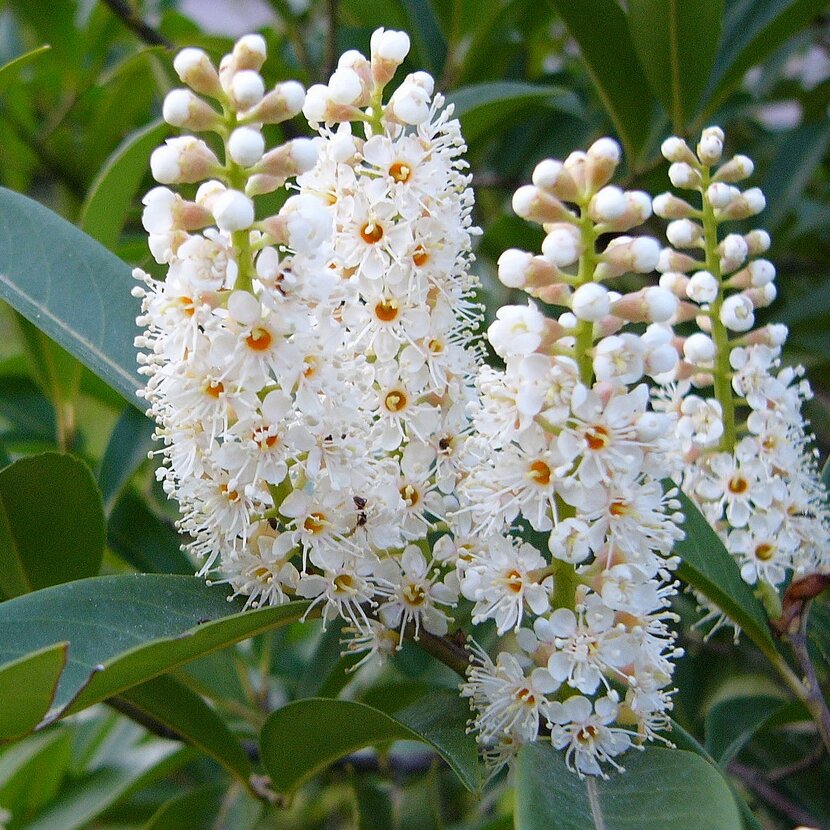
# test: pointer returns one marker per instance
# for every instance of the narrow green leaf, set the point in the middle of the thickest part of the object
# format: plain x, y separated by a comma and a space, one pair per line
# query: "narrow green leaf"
130, 441
70, 287
125, 630
32, 771
753, 30
51, 523
731, 723
10, 71
676, 42
38, 675
305, 736
112, 194
27, 409
707, 566
480, 107
146, 541
660, 788
601, 29
194, 810
87, 797
169, 702
427, 35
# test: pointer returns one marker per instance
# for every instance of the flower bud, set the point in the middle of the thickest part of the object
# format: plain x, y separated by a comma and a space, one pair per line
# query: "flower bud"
575, 165
354, 60
282, 103
388, 50
624, 254
247, 89
675, 149
166, 211
536, 205
601, 161
757, 242
671, 260
246, 146
608, 204
774, 334
553, 177
563, 244
699, 349
733, 251
183, 160
345, 87
702, 287
233, 211
749, 203
648, 305
669, 206
409, 103
675, 282
762, 296
249, 52
684, 233
710, 146
590, 302
735, 170
182, 108
684, 176
520, 269
736, 313
195, 69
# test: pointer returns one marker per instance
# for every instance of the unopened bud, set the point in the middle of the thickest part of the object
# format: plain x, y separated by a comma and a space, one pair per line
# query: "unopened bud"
563, 245
671, 260
388, 50
721, 195
648, 305
536, 205
233, 211
669, 206
757, 242
735, 170
774, 334
762, 296
749, 203
590, 302
637, 210
601, 161
247, 89
183, 160
675, 149
182, 108
699, 349
626, 255
246, 146
608, 204
345, 87
249, 52
683, 233
702, 287
710, 146
282, 103
684, 176
575, 165
675, 282
195, 69
553, 177
733, 251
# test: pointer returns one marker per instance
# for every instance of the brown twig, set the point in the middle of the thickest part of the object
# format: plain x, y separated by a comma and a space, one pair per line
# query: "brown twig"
759, 783
123, 11
779, 773
330, 51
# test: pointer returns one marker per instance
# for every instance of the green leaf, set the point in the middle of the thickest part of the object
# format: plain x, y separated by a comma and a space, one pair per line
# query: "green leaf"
146, 541
125, 630
660, 788
480, 107
194, 810
676, 42
130, 441
305, 736
38, 674
753, 30
51, 523
166, 701
70, 287
10, 71
88, 796
731, 723
427, 35
27, 408
112, 194
31, 772
601, 29
707, 566
791, 170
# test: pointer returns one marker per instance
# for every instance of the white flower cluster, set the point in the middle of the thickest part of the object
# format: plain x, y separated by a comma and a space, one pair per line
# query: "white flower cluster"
741, 439
565, 442
309, 371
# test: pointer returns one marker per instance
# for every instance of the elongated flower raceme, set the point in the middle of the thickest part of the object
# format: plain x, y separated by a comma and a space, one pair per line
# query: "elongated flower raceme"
566, 443
742, 442
310, 370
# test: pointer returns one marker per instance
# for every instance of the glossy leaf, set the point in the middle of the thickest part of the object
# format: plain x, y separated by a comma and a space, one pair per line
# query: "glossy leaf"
305, 736
168, 702
676, 42
28, 410
146, 541
731, 723
600, 28
37, 674
130, 441
125, 630
71, 287
753, 30
480, 107
194, 810
707, 566
51, 523
113, 192
660, 788
10, 71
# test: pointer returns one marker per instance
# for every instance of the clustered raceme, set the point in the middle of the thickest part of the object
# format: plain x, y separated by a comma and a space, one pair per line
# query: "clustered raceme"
566, 443
742, 443
309, 370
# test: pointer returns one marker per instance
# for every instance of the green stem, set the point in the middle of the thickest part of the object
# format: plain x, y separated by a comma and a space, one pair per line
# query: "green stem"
241, 240
585, 274
720, 336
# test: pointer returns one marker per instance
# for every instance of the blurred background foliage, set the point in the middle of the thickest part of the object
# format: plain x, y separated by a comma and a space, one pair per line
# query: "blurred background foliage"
530, 80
